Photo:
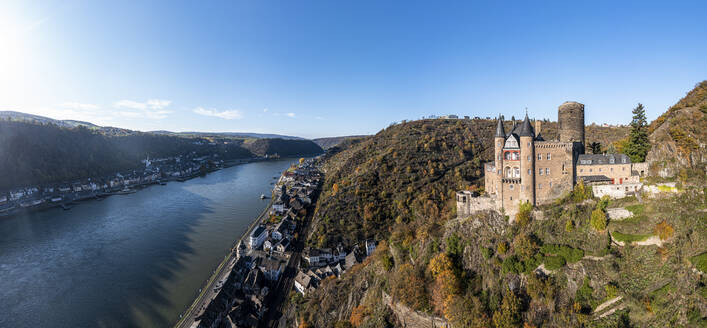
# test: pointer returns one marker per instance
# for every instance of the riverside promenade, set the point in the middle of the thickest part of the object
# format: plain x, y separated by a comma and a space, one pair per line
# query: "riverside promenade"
207, 293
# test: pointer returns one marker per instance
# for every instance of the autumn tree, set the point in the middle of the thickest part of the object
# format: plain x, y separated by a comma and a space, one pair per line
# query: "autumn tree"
664, 230
357, 315
508, 315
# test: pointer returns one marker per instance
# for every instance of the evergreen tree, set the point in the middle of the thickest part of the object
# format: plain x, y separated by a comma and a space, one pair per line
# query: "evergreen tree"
638, 144
595, 147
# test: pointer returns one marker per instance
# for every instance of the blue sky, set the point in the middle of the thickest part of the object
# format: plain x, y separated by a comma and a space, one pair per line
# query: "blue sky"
329, 68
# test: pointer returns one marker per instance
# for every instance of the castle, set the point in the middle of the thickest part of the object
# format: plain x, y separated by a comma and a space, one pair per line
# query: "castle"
527, 168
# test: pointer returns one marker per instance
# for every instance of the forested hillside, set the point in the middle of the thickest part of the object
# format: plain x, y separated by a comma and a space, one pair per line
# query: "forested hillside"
282, 147
330, 142
557, 267
45, 153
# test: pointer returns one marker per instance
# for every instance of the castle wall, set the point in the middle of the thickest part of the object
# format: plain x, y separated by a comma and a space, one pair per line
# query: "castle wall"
557, 176
490, 178
616, 191
510, 199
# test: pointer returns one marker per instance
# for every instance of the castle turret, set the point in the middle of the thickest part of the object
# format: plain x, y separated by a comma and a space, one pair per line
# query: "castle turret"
498, 142
527, 161
570, 122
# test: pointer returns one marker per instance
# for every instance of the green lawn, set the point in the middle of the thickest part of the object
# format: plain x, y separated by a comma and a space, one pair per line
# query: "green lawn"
700, 261
629, 238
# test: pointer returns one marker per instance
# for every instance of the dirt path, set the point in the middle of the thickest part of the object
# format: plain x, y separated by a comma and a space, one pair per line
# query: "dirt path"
606, 304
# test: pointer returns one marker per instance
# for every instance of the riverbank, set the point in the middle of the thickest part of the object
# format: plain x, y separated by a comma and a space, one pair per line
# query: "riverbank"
206, 294
70, 200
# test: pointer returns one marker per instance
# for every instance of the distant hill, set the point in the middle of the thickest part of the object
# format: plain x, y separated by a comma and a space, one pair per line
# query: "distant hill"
243, 135
329, 142
38, 150
282, 147
679, 136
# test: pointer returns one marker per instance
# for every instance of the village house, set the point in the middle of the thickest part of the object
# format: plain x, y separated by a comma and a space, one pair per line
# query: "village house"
257, 237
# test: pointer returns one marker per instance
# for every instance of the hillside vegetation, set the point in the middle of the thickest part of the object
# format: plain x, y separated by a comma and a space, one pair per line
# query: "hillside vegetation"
679, 137
330, 142
558, 267
46, 153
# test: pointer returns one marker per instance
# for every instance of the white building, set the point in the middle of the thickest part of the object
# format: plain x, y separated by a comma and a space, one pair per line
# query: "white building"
257, 237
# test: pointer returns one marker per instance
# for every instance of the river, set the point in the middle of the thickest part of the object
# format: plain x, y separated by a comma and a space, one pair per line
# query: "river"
133, 260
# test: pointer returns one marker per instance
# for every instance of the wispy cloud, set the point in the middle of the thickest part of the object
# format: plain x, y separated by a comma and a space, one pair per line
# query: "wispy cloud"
265, 110
232, 114
78, 106
152, 108
292, 115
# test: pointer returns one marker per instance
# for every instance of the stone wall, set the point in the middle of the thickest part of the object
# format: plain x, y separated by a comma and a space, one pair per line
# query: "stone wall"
468, 203
617, 191
556, 178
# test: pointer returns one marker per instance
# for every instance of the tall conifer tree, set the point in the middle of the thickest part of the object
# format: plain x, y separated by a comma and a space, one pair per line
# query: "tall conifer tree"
638, 144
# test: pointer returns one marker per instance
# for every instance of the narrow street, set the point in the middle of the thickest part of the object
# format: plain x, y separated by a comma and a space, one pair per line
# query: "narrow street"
286, 283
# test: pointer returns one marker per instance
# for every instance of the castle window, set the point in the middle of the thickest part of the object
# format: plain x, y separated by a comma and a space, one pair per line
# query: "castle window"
514, 155
548, 156
517, 172
547, 171
550, 183
528, 158
540, 157
590, 170
499, 157
528, 143
581, 170
540, 186
623, 169
612, 169
529, 172
541, 171
511, 188
600, 169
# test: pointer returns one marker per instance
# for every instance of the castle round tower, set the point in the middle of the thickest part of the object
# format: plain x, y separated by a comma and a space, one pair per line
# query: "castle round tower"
527, 162
498, 142
570, 122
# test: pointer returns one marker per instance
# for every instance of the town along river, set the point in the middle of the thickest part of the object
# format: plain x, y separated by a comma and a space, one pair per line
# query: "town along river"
135, 260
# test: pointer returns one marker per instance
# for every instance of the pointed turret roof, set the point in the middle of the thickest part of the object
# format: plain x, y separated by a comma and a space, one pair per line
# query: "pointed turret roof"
499, 128
526, 129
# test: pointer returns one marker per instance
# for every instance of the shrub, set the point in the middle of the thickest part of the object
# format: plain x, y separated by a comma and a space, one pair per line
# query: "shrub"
584, 295
569, 226
502, 248
603, 203
598, 220
664, 230
486, 252
611, 291
512, 265
523, 216
571, 255
554, 262
581, 192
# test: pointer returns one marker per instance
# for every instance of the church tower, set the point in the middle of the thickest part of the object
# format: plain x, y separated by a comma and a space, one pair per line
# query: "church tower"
527, 161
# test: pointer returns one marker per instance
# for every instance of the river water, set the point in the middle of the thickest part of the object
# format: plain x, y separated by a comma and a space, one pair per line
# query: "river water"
133, 260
